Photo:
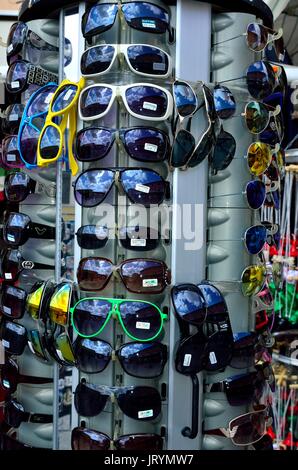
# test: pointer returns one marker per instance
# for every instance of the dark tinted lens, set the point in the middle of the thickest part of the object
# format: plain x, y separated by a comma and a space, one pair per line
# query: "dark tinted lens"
202, 150
92, 186
35, 344
13, 116
141, 320
255, 194
8, 443
255, 239
147, 101
147, 442
93, 144
139, 238
14, 414
90, 315
16, 38
224, 102
146, 144
250, 428
214, 301
143, 186
28, 143
146, 17
92, 355
92, 237
142, 275
97, 59
257, 36
143, 360
94, 101
88, 439
50, 143
190, 358
16, 77
15, 230
98, 19
13, 301
142, 403
41, 100
260, 80
89, 401
183, 147
243, 350
17, 187
243, 389
10, 153
93, 273
64, 97
256, 117
11, 265
189, 304
185, 98
223, 152
14, 338
148, 60
9, 376
219, 350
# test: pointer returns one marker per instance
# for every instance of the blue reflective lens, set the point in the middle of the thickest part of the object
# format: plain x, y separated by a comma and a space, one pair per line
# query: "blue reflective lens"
224, 102
255, 239
255, 194
185, 99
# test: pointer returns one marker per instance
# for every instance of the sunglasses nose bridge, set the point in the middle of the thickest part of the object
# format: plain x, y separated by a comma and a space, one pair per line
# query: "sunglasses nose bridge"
113, 397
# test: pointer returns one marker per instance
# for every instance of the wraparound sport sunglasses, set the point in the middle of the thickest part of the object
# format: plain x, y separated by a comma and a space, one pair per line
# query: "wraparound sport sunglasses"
143, 16
142, 186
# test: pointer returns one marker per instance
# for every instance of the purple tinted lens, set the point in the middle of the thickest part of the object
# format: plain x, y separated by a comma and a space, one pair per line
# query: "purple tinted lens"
148, 60
143, 186
92, 355
10, 153
93, 144
141, 320
147, 101
92, 187
16, 77
255, 194
28, 144
146, 144
40, 102
95, 101
90, 315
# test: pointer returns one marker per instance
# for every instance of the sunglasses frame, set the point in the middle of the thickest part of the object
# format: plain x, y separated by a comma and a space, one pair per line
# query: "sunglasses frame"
35, 76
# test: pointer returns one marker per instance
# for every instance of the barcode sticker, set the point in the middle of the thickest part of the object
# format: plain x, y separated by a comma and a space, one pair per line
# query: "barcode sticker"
149, 24
138, 242
68, 94
10, 157
150, 147
15, 85
159, 66
6, 343
150, 106
7, 276
7, 310
187, 360
142, 325
212, 358
145, 414
10, 237
142, 188
10, 48
13, 117
150, 283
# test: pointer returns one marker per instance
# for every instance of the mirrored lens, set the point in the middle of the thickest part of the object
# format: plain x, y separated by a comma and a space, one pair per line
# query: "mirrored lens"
224, 101
90, 315
92, 186
64, 349
257, 37
256, 117
143, 186
35, 344
146, 16
189, 304
185, 98
253, 278
260, 80
97, 59
16, 76
258, 158
255, 239
59, 303
141, 320
214, 302
34, 299
255, 194
98, 19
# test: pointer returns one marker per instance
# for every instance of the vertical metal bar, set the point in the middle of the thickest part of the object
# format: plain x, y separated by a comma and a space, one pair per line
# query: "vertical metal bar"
58, 241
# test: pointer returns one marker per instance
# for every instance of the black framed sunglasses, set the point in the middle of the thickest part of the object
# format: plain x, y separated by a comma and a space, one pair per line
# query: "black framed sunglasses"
14, 337
18, 229
10, 377
21, 74
12, 118
19, 185
15, 415
13, 301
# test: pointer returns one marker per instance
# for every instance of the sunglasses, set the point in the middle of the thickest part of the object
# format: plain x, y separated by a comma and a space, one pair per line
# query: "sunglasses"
15, 415
139, 275
89, 439
10, 157
264, 300
12, 118
140, 320
141, 100
137, 402
253, 278
143, 360
32, 122
10, 377
223, 152
142, 59
21, 74
14, 337
13, 301
18, 229
62, 105
259, 157
246, 429
247, 350
12, 264
94, 237
141, 185
144, 144
143, 16
257, 236
19, 185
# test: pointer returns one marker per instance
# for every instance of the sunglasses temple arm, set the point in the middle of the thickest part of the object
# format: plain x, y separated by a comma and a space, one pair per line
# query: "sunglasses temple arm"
192, 432
39, 418
42, 231
74, 167
227, 40
29, 379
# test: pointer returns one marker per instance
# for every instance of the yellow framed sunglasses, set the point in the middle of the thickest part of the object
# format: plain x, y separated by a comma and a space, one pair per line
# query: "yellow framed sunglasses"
63, 105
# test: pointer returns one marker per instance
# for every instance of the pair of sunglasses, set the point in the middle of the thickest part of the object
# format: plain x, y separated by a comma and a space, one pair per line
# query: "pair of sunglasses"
10, 157
143, 360
140, 320
141, 185
139, 275
19, 185
13, 301
18, 229
89, 439
142, 59
141, 403
21, 74
144, 144
12, 118
94, 237
10, 377
15, 415
12, 264
143, 16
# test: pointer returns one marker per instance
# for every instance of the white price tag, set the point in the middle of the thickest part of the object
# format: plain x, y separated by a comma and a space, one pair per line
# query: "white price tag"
138, 242
5, 343
7, 310
145, 414
13, 117
187, 360
15, 84
10, 157
150, 106
150, 283
150, 147
10, 237
8, 276
149, 24
10, 48
159, 66
48, 98
68, 94
142, 188
212, 358
142, 325
2, 353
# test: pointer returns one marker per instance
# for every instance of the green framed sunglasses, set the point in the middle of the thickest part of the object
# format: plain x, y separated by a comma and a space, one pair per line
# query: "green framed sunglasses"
140, 320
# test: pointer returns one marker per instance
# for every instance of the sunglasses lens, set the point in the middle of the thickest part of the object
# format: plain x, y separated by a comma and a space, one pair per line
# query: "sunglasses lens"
243, 350
9, 376
143, 360
28, 143
184, 145
189, 304
40, 103
148, 60
141, 320
11, 265
249, 428
255, 194
98, 19
36, 346
253, 278
141, 403
14, 230
92, 355
34, 299
147, 101
93, 273
224, 102
92, 186
143, 276
16, 76
243, 389
89, 401
64, 349
214, 301
88, 439
64, 98
223, 152
146, 442
258, 158
10, 154
146, 144
14, 338
257, 37
146, 16
143, 186
255, 239
92, 237
260, 80
13, 302
219, 350
97, 59
16, 38
14, 413
93, 144
59, 303
185, 99
50, 143
13, 116
8, 443
190, 357
90, 315
256, 117
139, 238
95, 101
203, 150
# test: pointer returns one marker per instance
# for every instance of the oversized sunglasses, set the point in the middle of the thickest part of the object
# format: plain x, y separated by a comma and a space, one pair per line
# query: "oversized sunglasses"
18, 229
145, 144
139, 275
10, 154
21, 74
142, 59
141, 100
12, 118
10, 377
93, 237
137, 402
13, 301
143, 16
89, 439
19, 185
142, 186
15, 415
12, 264
143, 360
140, 320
